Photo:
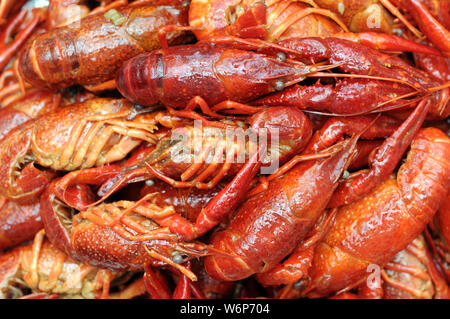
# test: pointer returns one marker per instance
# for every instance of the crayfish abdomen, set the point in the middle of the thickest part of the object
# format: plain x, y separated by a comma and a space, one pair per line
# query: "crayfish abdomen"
89, 51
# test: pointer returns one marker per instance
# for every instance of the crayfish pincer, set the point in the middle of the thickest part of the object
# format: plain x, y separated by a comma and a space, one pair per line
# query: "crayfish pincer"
268, 226
291, 206
364, 70
399, 208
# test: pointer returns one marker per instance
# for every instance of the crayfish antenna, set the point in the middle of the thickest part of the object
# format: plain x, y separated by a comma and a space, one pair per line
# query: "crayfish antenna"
430, 26
187, 272
119, 181
442, 103
369, 77
312, 70
10, 50
264, 181
393, 9
440, 87
196, 249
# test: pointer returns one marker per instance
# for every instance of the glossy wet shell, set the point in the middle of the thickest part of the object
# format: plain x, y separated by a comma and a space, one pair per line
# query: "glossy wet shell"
52, 133
285, 213
175, 75
399, 208
89, 51
418, 282
18, 223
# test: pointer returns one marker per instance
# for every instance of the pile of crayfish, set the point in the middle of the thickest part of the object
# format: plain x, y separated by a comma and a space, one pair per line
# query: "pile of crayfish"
225, 149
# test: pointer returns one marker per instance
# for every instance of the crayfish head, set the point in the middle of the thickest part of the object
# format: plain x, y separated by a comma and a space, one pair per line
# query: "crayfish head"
289, 130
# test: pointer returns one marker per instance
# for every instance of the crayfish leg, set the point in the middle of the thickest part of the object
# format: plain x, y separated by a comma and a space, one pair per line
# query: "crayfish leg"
394, 10
108, 85
224, 203
155, 284
7, 51
190, 114
432, 28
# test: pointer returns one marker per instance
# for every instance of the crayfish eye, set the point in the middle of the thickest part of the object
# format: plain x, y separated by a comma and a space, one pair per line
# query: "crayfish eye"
281, 56
398, 32
279, 85
179, 258
300, 285
345, 175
